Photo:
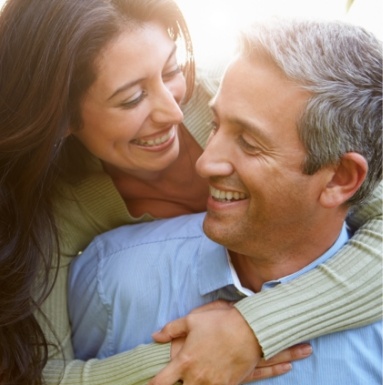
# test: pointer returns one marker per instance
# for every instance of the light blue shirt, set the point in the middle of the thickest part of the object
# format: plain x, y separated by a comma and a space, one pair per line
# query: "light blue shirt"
132, 280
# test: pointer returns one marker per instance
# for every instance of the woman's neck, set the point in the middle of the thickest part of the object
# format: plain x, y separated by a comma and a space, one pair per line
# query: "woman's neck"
177, 190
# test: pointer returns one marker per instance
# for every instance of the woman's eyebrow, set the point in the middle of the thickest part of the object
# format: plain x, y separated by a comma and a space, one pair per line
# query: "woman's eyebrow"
125, 87
128, 85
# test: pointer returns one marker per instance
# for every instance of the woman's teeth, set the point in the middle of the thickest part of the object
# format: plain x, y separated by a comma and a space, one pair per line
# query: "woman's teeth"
224, 196
154, 142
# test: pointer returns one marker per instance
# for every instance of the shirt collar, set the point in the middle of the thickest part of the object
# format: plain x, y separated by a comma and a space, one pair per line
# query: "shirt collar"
215, 270
341, 240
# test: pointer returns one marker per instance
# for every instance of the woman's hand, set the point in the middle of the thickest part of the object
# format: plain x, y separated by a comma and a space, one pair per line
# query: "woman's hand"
215, 345
280, 363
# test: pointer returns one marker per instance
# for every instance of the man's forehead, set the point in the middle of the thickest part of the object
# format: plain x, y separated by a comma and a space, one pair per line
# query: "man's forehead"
238, 81
256, 93
233, 68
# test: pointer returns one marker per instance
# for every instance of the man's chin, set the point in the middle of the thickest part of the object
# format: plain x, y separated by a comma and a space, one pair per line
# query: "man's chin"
216, 230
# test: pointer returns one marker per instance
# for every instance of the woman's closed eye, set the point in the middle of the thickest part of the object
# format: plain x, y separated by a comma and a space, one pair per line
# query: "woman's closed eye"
172, 73
131, 103
134, 102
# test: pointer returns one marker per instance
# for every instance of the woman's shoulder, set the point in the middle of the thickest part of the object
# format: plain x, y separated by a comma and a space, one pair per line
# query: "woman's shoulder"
197, 111
86, 208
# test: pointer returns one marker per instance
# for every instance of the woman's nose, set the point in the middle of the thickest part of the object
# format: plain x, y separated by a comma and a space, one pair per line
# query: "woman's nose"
166, 106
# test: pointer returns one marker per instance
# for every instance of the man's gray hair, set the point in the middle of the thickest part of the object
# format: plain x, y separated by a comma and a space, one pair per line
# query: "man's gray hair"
341, 65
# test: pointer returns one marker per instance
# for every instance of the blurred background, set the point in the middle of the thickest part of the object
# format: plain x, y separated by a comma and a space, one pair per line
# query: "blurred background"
213, 23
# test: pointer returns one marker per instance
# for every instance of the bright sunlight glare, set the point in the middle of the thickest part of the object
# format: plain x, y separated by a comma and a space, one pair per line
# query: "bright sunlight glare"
213, 23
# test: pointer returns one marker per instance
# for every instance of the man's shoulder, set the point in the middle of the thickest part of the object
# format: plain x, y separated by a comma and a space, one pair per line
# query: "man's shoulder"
171, 230
137, 247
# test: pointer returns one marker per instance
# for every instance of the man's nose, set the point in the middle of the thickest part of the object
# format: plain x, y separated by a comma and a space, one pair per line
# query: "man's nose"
215, 160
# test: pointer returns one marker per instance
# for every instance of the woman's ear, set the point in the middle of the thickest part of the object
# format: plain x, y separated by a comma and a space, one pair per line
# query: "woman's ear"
346, 180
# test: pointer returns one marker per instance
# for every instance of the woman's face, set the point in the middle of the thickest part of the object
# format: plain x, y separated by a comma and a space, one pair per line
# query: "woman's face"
131, 112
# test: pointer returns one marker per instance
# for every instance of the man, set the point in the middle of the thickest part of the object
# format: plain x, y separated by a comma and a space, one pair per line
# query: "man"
296, 141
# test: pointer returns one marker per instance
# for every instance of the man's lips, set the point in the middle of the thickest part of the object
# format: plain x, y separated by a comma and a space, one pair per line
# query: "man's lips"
226, 195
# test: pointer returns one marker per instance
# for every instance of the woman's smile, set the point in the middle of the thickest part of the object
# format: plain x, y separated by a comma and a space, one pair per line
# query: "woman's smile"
157, 142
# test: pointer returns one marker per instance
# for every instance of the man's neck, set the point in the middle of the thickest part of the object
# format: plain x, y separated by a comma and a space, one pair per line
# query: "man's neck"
256, 269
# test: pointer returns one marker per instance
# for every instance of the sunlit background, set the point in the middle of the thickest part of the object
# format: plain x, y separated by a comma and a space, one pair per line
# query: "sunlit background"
213, 23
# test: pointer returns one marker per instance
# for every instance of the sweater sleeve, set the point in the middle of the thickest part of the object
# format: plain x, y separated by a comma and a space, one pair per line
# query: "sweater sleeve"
135, 367
343, 293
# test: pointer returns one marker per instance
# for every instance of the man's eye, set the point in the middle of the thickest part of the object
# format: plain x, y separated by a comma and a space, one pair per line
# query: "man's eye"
132, 103
213, 126
213, 130
249, 148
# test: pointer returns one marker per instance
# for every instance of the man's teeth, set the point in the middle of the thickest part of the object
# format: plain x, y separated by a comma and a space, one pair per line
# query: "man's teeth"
154, 142
224, 196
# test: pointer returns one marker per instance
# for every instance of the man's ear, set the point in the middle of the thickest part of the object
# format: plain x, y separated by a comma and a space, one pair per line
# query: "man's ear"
346, 179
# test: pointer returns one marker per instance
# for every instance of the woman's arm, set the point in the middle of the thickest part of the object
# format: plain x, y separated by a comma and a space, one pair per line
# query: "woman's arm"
131, 368
341, 294
135, 367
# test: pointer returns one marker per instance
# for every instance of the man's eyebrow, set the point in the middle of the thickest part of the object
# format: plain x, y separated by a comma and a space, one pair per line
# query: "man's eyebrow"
247, 124
128, 85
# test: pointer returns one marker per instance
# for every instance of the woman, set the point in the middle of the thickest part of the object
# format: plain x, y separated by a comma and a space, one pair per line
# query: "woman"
59, 187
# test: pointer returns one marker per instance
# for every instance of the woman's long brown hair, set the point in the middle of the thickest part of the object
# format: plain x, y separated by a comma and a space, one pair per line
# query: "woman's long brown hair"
48, 51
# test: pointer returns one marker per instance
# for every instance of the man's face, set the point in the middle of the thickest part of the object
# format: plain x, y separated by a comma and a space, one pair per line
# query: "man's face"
253, 160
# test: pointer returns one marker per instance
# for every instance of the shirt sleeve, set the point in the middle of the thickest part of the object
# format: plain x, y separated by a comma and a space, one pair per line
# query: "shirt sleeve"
343, 293
135, 367
88, 311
